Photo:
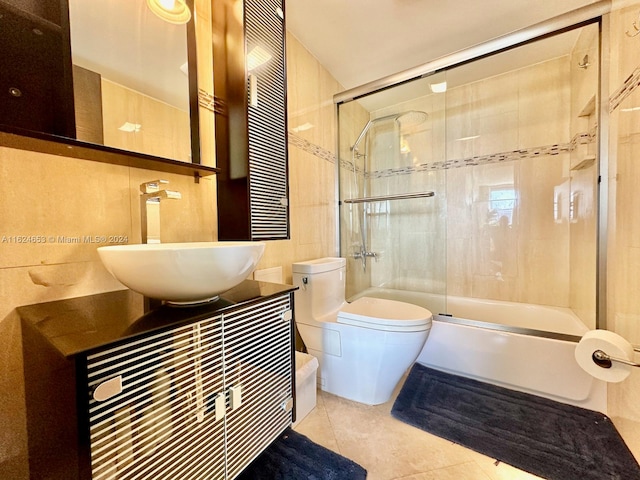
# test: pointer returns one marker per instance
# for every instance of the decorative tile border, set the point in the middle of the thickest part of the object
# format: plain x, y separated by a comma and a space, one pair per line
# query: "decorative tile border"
514, 155
477, 160
628, 86
208, 101
313, 149
324, 154
211, 102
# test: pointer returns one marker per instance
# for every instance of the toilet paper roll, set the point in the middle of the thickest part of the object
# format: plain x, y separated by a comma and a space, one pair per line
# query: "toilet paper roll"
610, 343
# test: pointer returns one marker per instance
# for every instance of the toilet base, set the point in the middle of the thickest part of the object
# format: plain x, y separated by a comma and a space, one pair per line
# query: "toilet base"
369, 366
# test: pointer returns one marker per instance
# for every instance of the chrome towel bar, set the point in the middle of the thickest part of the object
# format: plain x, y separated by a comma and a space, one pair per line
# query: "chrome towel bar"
384, 198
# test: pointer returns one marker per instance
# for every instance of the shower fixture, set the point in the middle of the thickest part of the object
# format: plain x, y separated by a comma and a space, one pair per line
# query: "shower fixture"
410, 118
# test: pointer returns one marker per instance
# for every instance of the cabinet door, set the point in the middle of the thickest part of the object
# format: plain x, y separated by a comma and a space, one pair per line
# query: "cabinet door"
152, 406
251, 129
258, 350
267, 116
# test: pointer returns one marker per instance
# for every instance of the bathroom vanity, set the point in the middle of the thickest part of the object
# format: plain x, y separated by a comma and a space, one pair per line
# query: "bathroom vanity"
179, 392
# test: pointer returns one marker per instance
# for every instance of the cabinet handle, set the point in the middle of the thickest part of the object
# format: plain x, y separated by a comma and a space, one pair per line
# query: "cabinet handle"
220, 404
235, 396
108, 389
287, 315
287, 405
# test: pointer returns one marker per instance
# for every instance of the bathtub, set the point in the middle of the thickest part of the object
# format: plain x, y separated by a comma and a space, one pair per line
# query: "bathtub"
524, 347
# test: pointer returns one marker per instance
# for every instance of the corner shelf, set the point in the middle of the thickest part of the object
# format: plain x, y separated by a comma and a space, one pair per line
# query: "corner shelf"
586, 162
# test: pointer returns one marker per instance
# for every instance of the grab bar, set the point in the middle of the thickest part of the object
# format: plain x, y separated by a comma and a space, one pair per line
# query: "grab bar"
383, 198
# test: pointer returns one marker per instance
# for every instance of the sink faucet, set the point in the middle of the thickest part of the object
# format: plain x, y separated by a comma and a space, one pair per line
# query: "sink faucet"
152, 193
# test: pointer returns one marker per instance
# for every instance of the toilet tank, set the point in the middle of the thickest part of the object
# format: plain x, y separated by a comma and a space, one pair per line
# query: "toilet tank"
321, 284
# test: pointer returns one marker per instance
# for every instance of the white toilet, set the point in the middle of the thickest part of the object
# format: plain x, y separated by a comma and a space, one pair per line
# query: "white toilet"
363, 347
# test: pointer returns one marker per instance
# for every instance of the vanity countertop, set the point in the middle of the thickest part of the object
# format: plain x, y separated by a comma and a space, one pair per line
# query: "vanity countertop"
81, 324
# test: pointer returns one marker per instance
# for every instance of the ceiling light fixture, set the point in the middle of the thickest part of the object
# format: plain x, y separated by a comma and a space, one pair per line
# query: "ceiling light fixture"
438, 87
172, 11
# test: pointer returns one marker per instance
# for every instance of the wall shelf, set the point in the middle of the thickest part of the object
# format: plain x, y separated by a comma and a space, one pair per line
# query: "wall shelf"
589, 108
60, 146
586, 162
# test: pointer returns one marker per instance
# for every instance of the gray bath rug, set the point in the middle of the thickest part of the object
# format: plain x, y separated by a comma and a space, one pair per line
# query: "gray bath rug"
294, 457
546, 438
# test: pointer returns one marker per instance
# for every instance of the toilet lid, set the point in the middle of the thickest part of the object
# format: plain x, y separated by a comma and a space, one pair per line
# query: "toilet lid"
383, 314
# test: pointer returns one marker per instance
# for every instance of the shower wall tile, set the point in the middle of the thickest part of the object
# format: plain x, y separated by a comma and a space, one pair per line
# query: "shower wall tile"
584, 81
583, 245
303, 92
544, 100
459, 267
523, 114
525, 261
486, 110
545, 243
582, 195
312, 163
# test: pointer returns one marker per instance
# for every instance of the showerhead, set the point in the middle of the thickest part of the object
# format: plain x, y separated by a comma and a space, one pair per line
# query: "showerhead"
409, 118
412, 118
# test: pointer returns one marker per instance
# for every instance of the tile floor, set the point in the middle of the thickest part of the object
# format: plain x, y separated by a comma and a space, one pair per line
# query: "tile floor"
391, 450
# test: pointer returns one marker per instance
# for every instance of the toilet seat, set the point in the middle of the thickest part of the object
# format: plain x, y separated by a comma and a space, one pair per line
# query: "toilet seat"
387, 315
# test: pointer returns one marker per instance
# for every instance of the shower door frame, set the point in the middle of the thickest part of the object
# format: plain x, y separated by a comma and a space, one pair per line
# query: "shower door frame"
596, 13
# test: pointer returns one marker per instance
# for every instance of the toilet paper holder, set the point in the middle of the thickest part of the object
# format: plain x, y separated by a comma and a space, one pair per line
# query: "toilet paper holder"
604, 360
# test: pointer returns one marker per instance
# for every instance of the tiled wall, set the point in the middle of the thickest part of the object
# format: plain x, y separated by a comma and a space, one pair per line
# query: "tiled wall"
518, 130
311, 124
623, 252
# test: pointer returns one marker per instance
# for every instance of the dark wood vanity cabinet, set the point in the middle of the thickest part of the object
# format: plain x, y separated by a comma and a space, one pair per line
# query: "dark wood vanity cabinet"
184, 393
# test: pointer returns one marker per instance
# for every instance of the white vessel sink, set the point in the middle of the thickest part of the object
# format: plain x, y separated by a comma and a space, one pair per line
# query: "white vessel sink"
182, 273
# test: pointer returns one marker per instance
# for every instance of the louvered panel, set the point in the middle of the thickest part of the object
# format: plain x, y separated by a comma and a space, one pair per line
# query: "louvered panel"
268, 191
162, 425
258, 357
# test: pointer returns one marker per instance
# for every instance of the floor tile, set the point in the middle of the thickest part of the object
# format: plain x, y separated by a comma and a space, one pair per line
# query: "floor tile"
392, 450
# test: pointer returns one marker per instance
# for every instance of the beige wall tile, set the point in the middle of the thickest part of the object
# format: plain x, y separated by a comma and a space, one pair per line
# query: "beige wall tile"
544, 101
59, 200
623, 304
304, 101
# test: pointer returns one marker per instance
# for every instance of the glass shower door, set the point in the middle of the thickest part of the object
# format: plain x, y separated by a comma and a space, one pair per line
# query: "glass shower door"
392, 200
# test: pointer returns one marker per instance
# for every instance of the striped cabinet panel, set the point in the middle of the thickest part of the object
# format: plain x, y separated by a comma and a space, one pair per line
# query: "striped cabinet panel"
267, 119
196, 402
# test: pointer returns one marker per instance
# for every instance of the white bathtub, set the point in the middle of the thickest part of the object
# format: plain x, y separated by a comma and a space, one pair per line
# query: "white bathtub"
524, 347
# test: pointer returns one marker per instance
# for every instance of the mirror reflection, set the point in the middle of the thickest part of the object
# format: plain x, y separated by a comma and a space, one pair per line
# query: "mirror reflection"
124, 82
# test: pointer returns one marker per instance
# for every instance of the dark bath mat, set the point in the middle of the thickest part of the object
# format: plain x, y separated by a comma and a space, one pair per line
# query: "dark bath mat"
549, 439
294, 457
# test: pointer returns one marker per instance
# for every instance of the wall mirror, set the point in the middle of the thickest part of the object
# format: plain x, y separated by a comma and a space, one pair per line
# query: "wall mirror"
104, 73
